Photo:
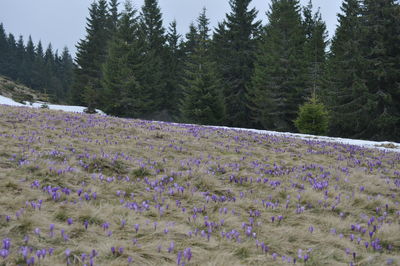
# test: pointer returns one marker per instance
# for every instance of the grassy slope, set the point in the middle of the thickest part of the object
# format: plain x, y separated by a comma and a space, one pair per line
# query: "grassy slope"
17, 91
144, 172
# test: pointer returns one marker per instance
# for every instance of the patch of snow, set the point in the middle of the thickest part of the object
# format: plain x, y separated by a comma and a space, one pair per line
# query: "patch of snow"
8, 101
381, 145
65, 108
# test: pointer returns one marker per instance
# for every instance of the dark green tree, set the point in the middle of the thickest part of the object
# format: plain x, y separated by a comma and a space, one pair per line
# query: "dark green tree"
315, 48
3, 50
346, 92
126, 96
234, 50
191, 41
113, 15
280, 78
91, 54
30, 62
11, 57
174, 70
313, 118
65, 74
203, 101
153, 76
381, 51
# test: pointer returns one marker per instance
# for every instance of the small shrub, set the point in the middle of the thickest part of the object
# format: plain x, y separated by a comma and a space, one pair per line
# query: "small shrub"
313, 118
44, 106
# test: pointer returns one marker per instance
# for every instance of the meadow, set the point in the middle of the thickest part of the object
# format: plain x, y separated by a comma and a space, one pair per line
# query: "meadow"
80, 189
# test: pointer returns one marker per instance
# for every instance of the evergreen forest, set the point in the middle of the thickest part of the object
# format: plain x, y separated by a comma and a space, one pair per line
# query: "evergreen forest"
276, 76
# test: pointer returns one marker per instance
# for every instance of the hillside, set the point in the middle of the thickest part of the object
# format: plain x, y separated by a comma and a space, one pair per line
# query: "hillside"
18, 92
80, 188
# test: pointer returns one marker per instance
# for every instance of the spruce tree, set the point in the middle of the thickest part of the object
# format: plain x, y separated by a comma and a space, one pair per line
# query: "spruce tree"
153, 76
11, 58
91, 54
315, 48
191, 40
203, 101
20, 60
38, 72
3, 50
126, 96
381, 51
280, 78
65, 74
234, 50
346, 92
29, 61
174, 69
113, 15
313, 118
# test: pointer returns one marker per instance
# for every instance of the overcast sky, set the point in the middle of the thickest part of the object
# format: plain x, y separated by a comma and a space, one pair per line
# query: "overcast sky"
62, 22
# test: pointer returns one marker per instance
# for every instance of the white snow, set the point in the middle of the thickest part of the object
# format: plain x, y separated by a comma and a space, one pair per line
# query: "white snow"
382, 145
385, 145
66, 108
8, 101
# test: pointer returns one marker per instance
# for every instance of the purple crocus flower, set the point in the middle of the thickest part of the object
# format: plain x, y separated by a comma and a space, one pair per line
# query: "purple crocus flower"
187, 253
171, 247
70, 221
136, 227
4, 253
179, 258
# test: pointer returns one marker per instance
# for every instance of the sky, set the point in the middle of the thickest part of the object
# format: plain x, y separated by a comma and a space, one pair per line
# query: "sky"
62, 22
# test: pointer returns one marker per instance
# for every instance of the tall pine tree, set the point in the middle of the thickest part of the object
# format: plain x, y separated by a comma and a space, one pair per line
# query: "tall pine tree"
279, 81
153, 76
91, 54
234, 49
381, 49
203, 101
126, 96
315, 48
174, 68
346, 92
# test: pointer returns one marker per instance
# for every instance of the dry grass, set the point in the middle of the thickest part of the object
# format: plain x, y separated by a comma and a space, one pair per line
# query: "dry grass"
156, 175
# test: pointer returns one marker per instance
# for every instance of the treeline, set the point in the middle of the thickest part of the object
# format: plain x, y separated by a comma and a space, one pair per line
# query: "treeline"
243, 73
45, 71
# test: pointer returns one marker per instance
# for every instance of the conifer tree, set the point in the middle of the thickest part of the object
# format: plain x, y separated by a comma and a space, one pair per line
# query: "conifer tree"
234, 49
191, 40
29, 61
203, 101
3, 49
313, 118
174, 68
65, 74
315, 48
20, 60
113, 15
122, 69
347, 94
280, 72
153, 77
91, 54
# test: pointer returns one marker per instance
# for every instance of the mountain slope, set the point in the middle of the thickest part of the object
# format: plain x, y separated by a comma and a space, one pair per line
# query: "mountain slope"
132, 192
